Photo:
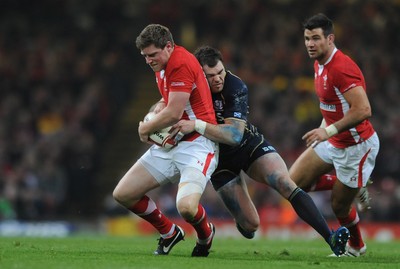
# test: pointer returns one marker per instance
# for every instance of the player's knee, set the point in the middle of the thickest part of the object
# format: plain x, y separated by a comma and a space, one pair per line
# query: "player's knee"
250, 225
117, 195
120, 197
187, 199
123, 197
190, 190
187, 207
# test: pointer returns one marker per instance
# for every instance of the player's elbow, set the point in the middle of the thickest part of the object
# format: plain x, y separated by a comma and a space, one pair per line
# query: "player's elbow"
175, 117
366, 112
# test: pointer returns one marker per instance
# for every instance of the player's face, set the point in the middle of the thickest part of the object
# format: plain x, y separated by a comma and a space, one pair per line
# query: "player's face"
157, 58
318, 46
215, 76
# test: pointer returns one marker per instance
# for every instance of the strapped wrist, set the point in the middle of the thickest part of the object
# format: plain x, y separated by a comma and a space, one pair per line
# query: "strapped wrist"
331, 130
200, 126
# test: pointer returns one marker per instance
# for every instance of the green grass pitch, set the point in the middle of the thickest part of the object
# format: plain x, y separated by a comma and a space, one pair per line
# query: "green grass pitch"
99, 252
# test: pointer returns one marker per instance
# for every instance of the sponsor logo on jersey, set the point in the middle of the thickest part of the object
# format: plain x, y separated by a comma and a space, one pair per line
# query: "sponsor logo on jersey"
326, 107
268, 149
179, 83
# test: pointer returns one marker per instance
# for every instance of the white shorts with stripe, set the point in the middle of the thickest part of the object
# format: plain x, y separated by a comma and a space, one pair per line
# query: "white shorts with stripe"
167, 165
353, 164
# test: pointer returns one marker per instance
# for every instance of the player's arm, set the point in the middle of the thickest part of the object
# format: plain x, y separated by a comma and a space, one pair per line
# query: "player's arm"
359, 109
168, 116
230, 133
157, 107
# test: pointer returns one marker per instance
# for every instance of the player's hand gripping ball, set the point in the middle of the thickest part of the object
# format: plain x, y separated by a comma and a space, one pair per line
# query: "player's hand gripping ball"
163, 137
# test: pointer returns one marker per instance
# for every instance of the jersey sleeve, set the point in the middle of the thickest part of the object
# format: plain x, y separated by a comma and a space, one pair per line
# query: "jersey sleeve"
347, 76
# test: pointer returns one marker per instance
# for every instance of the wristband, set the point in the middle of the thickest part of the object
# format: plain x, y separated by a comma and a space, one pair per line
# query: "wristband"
331, 130
200, 126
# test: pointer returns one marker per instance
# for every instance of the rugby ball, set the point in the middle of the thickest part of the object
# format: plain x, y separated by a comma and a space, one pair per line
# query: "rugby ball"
161, 137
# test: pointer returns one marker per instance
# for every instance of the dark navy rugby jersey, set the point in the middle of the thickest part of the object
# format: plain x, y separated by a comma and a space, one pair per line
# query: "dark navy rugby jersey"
232, 102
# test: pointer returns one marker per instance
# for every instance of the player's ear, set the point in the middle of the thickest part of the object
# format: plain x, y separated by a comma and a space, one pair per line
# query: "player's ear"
169, 45
331, 39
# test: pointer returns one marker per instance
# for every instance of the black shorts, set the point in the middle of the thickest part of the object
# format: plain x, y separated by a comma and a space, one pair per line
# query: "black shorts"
234, 159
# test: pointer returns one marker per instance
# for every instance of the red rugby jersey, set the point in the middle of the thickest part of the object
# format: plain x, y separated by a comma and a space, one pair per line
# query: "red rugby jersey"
338, 75
183, 73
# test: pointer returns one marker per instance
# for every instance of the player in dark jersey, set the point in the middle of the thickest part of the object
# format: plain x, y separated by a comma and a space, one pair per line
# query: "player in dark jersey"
243, 148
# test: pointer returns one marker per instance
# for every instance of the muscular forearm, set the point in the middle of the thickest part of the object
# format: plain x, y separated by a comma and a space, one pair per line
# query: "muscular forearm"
351, 119
223, 133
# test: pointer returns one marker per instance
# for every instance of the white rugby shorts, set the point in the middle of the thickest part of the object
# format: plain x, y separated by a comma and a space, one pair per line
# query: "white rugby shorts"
166, 165
353, 164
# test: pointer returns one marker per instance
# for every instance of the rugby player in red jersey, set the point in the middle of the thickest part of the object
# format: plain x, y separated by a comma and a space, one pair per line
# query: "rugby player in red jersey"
185, 94
346, 140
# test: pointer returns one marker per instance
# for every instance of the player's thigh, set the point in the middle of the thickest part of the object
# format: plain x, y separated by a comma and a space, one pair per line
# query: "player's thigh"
136, 182
307, 168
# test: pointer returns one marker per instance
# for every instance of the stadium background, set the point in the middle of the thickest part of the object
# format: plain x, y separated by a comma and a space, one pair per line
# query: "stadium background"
73, 87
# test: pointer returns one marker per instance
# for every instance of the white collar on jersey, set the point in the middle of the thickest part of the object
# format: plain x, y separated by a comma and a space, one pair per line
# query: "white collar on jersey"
330, 58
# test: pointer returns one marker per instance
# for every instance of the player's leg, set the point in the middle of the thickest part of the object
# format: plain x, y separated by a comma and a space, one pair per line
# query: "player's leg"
342, 199
326, 182
308, 169
354, 167
131, 193
191, 187
271, 169
236, 199
196, 161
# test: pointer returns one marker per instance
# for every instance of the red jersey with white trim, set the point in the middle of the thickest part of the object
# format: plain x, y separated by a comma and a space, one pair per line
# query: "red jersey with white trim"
338, 75
183, 73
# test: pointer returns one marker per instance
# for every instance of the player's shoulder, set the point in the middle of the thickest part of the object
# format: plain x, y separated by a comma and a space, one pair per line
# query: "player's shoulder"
182, 56
343, 63
340, 58
234, 83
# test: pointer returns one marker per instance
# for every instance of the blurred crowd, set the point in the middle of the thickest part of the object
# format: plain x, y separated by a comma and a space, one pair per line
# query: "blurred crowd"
68, 67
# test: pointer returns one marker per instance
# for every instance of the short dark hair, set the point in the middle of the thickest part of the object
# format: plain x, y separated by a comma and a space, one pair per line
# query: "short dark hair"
319, 20
154, 34
207, 55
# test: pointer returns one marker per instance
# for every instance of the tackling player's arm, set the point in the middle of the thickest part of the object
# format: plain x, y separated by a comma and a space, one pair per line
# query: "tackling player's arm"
230, 132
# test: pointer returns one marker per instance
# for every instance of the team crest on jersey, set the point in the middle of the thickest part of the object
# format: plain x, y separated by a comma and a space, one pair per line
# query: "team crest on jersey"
218, 105
325, 78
